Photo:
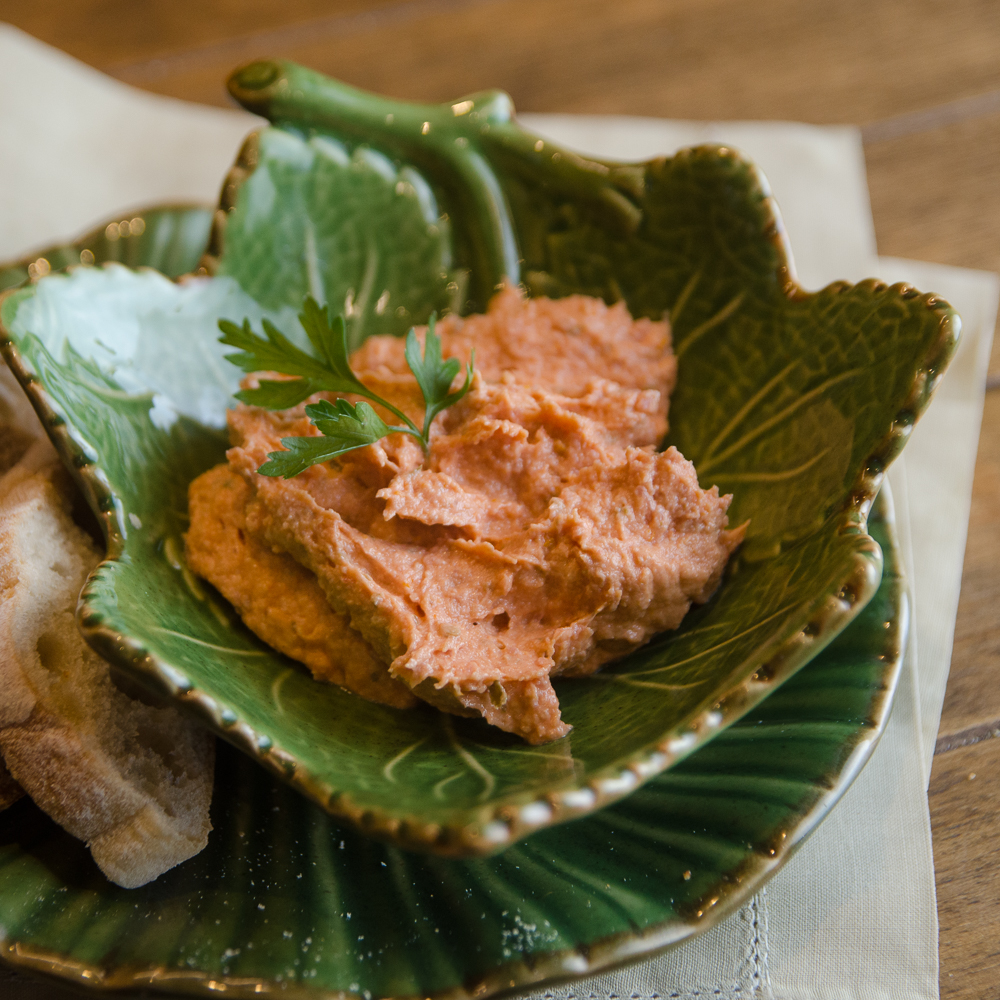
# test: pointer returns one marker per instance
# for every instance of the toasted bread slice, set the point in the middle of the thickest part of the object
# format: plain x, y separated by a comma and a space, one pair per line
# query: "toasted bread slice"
133, 781
19, 426
19, 429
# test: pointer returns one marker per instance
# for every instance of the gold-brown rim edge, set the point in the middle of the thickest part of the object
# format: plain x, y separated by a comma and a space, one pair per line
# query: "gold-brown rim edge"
552, 967
489, 829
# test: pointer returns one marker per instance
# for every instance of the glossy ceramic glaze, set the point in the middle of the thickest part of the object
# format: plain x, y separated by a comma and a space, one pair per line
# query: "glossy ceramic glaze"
284, 902
794, 402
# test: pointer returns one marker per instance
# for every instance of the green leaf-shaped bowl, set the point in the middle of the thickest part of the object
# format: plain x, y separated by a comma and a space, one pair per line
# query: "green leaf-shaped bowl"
284, 902
793, 402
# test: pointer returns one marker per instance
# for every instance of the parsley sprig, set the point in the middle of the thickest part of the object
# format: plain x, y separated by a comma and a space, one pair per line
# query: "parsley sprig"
344, 426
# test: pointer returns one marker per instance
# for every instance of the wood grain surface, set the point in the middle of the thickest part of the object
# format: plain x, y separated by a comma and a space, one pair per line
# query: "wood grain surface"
922, 77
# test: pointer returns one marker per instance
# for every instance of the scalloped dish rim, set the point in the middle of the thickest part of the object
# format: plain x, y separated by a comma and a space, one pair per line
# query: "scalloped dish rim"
570, 963
518, 816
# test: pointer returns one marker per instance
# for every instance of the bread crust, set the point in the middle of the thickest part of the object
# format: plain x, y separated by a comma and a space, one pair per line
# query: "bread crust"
19, 429
133, 781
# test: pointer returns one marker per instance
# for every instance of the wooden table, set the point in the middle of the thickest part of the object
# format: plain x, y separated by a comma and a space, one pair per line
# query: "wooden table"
922, 79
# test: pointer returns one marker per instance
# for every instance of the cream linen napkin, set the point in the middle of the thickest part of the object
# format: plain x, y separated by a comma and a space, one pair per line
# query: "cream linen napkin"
852, 916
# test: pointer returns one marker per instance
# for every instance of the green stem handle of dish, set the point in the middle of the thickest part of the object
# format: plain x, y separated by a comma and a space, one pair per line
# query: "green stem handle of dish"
455, 143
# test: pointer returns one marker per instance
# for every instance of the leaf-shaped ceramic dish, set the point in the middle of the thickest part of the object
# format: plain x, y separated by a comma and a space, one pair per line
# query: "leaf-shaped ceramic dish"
285, 903
795, 402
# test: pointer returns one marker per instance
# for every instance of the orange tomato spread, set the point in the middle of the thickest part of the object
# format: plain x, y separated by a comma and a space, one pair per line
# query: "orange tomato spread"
543, 533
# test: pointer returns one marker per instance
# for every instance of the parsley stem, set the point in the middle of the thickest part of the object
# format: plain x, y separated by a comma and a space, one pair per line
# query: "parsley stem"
410, 428
413, 432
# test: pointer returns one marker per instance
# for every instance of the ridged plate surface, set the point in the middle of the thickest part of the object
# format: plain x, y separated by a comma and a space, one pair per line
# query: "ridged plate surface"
794, 402
286, 903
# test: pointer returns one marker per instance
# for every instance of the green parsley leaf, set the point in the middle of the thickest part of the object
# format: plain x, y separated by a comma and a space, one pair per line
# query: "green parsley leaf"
275, 352
348, 422
274, 395
343, 425
433, 375
301, 453
331, 372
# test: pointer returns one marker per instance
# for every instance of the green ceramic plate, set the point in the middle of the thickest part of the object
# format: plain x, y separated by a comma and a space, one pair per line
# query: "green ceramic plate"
793, 402
285, 903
